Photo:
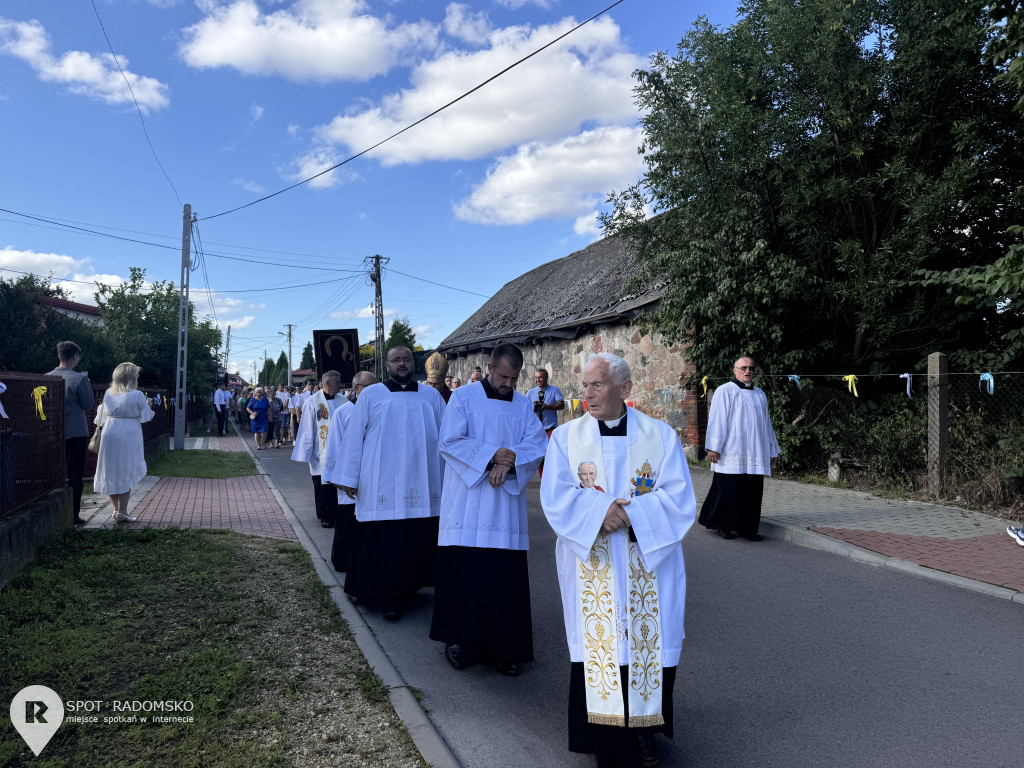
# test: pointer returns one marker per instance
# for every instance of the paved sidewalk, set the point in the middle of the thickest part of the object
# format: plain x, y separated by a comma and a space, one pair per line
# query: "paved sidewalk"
937, 537
243, 504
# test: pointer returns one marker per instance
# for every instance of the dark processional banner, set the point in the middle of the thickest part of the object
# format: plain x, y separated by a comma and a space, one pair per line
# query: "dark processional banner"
337, 350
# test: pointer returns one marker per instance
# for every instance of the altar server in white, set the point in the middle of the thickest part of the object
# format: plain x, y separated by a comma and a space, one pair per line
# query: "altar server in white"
741, 446
492, 444
345, 521
311, 442
620, 565
391, 466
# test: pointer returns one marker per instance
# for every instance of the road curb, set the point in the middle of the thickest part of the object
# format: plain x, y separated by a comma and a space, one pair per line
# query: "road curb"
428, 740
813, 540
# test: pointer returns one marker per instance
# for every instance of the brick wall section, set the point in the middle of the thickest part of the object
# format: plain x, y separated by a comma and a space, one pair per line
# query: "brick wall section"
659, 371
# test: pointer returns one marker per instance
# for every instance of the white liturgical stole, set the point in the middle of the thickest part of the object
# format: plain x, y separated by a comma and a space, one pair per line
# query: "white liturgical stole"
600, 610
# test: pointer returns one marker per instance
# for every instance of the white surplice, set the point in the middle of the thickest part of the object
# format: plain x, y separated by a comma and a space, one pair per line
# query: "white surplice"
339, 424
390, 454
473, 514
659, 518
740, 429
307, 442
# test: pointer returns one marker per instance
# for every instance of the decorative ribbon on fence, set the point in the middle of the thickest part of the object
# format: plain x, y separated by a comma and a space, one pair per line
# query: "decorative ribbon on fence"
851, 384
37, 395
986, 378
909, 377
3, 413
704, 383
796, 380
664, 397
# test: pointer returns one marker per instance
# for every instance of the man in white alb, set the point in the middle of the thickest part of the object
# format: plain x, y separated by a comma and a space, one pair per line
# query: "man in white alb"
742, 447
391, 466
311, 442
620, 566
492, 445
345, 521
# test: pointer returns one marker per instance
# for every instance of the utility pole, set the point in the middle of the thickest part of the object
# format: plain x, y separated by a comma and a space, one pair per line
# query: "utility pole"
253, 373
227, 355
291, 365
378, 313
180, 388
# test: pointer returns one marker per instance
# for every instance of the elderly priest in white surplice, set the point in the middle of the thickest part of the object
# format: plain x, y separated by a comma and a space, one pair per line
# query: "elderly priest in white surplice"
620, 566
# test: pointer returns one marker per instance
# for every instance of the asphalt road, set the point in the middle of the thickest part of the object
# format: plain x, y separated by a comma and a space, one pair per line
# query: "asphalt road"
794, 657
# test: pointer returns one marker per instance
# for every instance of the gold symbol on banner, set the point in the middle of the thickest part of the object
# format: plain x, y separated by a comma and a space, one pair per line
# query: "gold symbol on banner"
346, 352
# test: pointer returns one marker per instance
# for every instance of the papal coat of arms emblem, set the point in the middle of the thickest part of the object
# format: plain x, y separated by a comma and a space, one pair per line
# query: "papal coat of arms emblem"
644, 481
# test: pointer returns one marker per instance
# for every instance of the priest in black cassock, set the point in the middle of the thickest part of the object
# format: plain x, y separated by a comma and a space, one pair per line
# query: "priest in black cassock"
492, 444
390, 464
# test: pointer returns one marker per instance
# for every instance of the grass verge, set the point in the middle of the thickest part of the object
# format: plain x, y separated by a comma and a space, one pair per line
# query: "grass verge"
239, 626
203, 464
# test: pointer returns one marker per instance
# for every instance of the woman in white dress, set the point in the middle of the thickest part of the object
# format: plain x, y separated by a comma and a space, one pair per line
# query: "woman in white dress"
121, 462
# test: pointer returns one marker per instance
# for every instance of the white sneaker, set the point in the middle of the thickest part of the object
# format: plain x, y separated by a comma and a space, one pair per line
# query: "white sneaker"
1017, 534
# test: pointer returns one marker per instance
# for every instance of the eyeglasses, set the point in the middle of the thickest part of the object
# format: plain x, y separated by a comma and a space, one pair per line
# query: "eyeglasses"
745, 368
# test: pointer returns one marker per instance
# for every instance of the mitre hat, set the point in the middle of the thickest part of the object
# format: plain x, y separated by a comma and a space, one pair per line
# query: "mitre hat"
437, 367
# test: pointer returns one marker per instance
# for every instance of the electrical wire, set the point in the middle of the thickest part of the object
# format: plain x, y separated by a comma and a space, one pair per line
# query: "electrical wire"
137, 107
442, 285
215, 255
198, 244
421, 120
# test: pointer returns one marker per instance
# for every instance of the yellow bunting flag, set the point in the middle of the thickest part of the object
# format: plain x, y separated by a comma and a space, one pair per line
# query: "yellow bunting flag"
37, 395
704, 383
851, 384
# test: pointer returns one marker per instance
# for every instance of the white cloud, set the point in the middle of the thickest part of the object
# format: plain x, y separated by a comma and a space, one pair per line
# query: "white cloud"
552, 181
84, 74
588, 226
321, 40
292, 130
237, 324
465, 25
364, 312
249, 186
584, 80
255, 114
517, 4
314, 162
424, 334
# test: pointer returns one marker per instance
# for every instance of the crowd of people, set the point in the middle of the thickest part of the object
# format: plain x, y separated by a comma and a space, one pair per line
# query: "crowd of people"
424, 486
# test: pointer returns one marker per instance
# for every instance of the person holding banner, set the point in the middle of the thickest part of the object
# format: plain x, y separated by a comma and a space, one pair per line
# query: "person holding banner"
620, 565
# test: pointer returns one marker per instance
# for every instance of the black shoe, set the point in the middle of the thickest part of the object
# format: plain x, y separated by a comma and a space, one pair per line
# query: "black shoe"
453, 653
725, 534
755, 537
79, 520
326, 523
647, 751
508, 670
392, 615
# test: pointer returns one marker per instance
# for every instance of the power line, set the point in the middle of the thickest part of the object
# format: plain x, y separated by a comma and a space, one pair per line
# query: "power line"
442, 285
60, 223
137, 107
421, 120
198, 244
215, 255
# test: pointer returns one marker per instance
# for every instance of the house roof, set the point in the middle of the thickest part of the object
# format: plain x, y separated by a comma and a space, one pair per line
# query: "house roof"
557, 299
85, 309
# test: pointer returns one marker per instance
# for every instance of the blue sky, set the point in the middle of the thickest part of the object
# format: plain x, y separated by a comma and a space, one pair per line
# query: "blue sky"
244, 97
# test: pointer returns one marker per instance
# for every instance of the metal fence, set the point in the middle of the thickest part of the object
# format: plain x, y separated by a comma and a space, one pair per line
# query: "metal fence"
884, 439
31, 446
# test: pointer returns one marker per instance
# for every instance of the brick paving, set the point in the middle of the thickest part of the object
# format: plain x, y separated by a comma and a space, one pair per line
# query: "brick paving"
937, 536
243, 504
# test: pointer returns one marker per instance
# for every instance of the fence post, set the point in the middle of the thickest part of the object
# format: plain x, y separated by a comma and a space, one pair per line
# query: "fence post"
938, 421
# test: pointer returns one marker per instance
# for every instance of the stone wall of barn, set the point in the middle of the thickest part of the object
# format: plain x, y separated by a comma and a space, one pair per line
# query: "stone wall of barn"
659, 371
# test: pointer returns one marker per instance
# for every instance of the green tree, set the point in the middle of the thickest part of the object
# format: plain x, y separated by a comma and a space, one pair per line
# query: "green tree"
282, 374
267, 372
32, 331
401, 334
308, 361
141, 325
807, 162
